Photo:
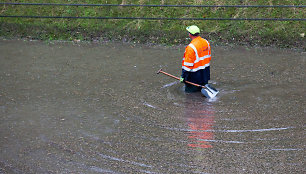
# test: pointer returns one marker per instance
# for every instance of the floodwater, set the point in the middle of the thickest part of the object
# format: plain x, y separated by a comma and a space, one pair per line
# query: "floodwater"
101, 108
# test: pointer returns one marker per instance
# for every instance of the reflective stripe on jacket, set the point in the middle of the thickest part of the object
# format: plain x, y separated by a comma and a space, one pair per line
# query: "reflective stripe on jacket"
197, 55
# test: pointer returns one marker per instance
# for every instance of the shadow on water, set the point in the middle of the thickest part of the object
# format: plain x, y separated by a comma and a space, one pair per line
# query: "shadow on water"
101, 108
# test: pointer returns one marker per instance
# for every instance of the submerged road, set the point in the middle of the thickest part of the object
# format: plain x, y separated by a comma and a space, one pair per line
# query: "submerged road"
101, 108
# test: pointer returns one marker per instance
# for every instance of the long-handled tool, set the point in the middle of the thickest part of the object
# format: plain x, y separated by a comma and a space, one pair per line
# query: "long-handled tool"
206, 90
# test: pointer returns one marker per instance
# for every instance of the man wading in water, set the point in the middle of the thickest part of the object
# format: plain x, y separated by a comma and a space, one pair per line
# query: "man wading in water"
196, 61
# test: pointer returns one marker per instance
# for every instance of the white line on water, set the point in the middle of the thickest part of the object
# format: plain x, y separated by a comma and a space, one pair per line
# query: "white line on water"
170, 84
231, 131
147, 104
286, 149
222, 141
256, 130
100, 170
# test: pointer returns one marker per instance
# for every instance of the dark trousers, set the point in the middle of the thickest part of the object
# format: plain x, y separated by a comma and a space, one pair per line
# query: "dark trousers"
192, 88
200, 77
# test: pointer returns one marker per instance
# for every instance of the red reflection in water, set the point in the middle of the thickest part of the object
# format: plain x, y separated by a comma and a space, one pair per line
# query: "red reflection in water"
200, 122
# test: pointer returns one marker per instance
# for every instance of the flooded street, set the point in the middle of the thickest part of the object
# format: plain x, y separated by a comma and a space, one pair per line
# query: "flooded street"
101, 108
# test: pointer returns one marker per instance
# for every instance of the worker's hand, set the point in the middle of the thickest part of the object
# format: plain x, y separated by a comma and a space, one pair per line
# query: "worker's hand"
181, 79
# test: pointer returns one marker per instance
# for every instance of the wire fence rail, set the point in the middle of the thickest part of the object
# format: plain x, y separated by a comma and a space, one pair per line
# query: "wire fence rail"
156, 18
148, 5
159, 18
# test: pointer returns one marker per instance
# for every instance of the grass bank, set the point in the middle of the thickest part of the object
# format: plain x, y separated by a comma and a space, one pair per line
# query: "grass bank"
288, 34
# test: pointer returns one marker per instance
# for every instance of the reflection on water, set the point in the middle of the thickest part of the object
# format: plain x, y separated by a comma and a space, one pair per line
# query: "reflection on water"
200, 118
199, 135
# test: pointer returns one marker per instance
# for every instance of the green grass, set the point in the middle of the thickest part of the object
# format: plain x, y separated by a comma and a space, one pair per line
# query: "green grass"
276, 33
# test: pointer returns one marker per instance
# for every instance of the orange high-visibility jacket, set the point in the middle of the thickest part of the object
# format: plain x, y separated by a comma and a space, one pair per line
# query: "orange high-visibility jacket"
197, 55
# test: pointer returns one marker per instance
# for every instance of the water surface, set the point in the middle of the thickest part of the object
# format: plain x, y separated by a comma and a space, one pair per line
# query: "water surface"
101, 108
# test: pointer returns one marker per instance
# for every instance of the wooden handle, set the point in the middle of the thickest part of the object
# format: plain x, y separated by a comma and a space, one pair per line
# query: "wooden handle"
161, 71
